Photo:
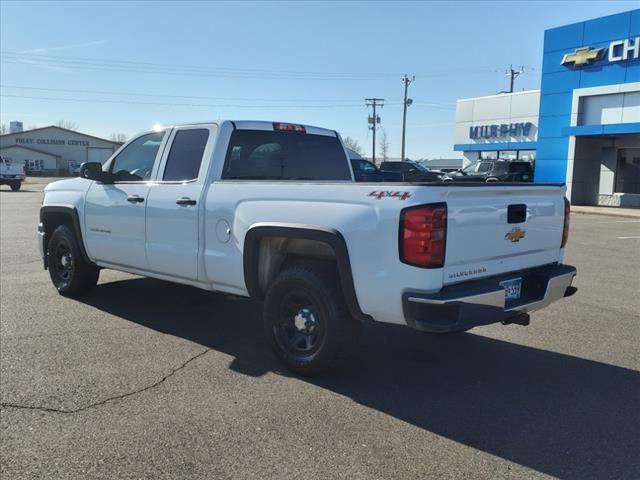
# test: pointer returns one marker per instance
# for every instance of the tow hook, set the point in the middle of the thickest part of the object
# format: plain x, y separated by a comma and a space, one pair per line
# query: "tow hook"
520, 319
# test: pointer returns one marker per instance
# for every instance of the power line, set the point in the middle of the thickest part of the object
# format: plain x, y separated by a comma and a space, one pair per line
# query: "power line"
139, 94
128, 66
330, 102
134, 102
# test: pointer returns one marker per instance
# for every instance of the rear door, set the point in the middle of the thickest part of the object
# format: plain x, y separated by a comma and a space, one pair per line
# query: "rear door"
115, 213
174, 206
501, 228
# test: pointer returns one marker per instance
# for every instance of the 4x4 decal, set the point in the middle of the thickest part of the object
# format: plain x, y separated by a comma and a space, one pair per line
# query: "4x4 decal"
379, 194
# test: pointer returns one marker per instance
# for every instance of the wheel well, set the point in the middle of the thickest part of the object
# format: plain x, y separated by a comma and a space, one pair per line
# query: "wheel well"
278, 253
52, 220
52, 217
268, 249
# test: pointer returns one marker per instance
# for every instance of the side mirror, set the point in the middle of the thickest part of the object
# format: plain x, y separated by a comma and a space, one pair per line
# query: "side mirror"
93, 171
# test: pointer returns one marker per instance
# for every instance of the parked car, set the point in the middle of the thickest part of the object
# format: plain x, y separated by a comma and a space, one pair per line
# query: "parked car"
411, 171
365, 171
11, 174
493, 171
270, 211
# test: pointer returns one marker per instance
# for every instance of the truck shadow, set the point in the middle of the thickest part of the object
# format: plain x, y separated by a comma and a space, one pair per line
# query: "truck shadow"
560, 415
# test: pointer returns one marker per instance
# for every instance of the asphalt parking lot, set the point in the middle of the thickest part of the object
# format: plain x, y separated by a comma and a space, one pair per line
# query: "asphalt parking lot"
145, 379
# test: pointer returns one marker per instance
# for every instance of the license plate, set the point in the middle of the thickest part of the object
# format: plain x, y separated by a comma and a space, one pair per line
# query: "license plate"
512, 288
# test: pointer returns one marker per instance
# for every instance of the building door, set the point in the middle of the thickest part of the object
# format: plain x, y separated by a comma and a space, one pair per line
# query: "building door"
628, 171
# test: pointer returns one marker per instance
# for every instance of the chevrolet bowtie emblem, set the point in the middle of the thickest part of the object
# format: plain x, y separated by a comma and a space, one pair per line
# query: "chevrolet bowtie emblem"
515, 235
582, 56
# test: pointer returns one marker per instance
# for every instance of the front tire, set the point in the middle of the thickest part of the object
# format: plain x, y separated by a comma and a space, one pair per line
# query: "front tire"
306, 320
15, 186
70, 273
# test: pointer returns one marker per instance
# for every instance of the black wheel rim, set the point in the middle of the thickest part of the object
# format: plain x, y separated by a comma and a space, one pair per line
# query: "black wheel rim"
299, 329
63, 263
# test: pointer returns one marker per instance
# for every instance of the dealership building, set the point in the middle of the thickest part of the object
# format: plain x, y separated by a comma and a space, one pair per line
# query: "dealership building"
53, 150
582, 126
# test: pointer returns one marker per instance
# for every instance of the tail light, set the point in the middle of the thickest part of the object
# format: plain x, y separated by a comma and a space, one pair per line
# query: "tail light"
565, 229
423, 235
289, 127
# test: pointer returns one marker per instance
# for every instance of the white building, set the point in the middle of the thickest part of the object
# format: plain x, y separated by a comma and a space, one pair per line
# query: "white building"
498, 126
54, 150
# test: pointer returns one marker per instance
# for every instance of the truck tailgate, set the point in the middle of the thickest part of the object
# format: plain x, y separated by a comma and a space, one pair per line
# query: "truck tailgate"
493, 230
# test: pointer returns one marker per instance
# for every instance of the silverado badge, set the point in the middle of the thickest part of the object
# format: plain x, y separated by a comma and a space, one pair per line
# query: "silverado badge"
514, 235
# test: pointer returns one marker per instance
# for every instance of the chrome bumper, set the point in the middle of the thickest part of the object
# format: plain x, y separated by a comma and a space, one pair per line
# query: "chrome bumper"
482, 302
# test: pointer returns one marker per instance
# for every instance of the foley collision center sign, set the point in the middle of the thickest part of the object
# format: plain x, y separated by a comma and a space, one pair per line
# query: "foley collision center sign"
617, 51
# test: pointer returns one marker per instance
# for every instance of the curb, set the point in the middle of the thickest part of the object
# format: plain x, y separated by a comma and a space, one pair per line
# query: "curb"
609, 212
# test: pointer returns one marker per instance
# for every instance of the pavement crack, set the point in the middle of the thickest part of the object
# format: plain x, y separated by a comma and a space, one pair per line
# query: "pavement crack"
108, 399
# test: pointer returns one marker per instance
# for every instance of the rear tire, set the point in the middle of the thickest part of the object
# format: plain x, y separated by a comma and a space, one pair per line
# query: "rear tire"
70, 273
306, 320
15, 186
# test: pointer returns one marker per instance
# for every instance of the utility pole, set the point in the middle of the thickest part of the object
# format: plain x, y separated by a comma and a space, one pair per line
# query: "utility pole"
407, 102
513, 74
374, 120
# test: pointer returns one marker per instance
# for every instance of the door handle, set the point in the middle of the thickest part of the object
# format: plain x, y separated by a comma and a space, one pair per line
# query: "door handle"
185, 201
135, 199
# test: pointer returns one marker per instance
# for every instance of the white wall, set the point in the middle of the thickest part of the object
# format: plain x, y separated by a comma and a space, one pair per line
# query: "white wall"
612, 108
508, 108
18, 156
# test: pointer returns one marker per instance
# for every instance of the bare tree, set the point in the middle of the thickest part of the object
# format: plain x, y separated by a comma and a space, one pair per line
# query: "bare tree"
4, 129
383, 144
68, 124
353, 145
118, 137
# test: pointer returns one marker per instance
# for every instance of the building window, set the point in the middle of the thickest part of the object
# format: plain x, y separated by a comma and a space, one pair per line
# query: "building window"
527, 155
508, 154
491, 155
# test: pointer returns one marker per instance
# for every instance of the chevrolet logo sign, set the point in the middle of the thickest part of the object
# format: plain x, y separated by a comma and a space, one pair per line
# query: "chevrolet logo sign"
515, 235
582, 56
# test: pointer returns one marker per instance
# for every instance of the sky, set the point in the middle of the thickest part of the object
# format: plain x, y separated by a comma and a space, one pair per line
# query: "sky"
123, 67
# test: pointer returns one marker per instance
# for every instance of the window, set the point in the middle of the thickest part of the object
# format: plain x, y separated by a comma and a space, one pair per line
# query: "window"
185, 155
391, 166
491, 155
484, 167
363, 166
508, 155
471, 168
135, 162
527, 155
258, 154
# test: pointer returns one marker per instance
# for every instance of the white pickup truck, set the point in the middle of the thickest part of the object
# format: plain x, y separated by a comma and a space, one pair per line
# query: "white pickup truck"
271, 211
11, 174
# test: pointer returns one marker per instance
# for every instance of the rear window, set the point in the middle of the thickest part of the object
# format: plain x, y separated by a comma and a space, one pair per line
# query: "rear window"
259, 154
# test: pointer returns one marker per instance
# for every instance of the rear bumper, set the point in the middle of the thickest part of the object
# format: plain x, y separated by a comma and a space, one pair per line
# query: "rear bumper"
482, 302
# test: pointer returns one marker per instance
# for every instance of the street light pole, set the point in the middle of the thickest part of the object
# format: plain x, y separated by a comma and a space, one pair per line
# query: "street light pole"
406, 103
